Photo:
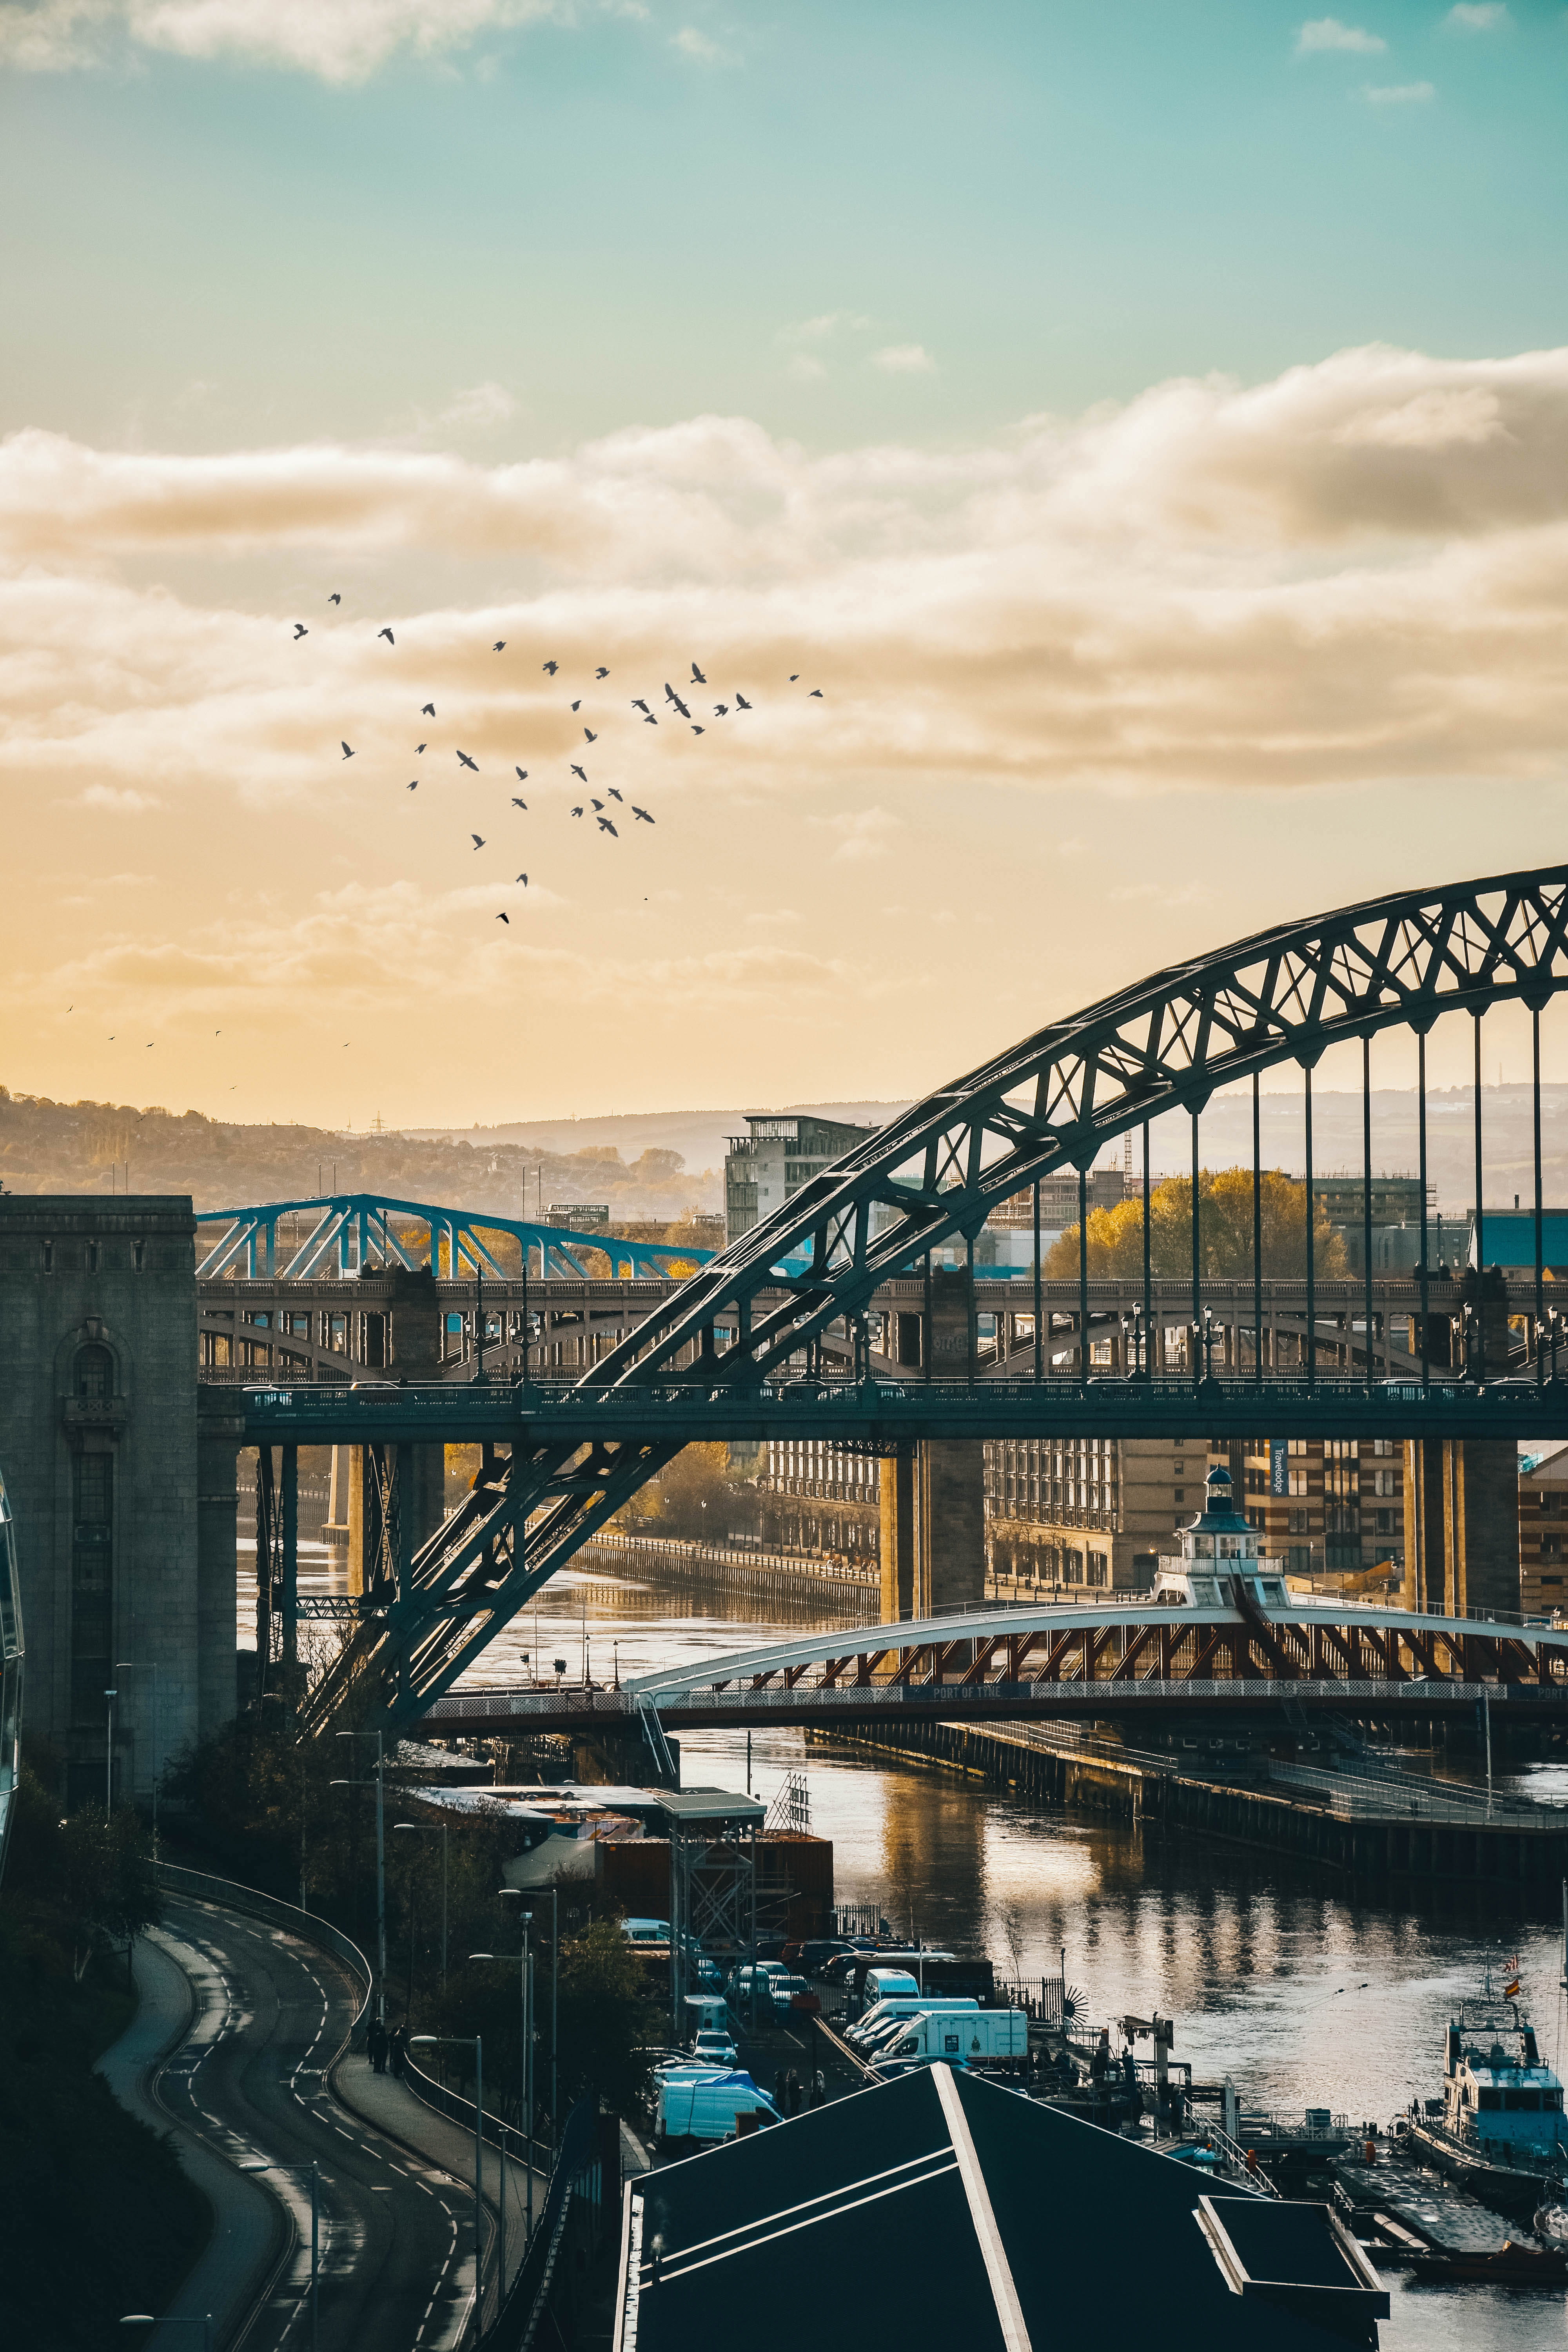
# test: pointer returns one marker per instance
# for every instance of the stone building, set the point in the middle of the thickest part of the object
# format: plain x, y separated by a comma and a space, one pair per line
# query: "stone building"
1088, 1512
127, 1577
768, 1166
1543, 1531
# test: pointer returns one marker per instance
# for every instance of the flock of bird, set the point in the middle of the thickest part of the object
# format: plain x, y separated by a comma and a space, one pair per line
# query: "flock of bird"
674, 703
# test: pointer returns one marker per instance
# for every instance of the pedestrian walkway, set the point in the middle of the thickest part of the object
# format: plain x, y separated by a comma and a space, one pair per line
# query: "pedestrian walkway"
387, 2100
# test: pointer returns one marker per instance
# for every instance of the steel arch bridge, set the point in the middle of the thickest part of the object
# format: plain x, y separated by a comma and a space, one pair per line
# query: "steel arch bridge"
346, 1228
931, 1178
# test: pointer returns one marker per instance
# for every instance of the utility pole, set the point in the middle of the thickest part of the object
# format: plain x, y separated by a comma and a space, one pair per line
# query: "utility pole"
380, 1786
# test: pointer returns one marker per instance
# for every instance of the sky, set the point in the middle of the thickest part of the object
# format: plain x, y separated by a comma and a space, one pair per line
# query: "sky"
1144, 425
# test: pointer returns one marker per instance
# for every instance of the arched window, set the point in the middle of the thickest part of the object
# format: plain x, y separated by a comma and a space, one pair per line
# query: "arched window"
94, 1374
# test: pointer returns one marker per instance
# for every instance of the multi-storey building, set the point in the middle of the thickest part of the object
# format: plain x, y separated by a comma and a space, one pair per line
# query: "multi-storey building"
1543, 1531
783, 1151
1326, 1505
820, 1498
1092, 1512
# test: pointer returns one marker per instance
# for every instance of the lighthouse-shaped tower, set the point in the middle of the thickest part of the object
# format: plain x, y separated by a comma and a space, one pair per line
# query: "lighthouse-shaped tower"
1217, 1547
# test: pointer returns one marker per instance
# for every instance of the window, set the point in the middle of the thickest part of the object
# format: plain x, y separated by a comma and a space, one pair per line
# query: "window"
94, 1374
92, 1582
48, 1258
93, 1257
1551, 1547
1385, 1523
1552, 1579
138, 1257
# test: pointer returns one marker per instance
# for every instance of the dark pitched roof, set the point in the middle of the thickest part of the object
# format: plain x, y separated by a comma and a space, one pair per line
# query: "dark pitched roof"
941, 2209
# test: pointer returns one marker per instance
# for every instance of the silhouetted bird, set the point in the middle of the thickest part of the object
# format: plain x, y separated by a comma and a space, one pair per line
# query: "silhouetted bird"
816, 694
428, 710
334, 599
638, 704
419, 746
477, 839
611, 790
590, 735
697, 731
697, 677
794, 675
300, 630
598, 804
550, 667
577, 771
467, 761
414, 787
606, 826
523, 879
506, 920
642, 814
741, 702
387, 634
650, 720
517, 804
720, 709
576, 812
601, 673
521, 774
347, 754
578, 704
671, 696
499, 646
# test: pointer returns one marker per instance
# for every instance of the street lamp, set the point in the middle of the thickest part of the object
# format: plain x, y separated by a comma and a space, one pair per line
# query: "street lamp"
475, 2043
525, 2009
379, 1785
434, 1829
315, 2171
145, 1666
515, 1893
110, 1697
171, 2319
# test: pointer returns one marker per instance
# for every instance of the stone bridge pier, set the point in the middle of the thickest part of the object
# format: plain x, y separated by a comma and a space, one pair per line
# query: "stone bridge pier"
933, 1489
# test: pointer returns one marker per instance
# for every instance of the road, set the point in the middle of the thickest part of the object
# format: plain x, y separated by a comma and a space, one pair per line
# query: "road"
245, 2084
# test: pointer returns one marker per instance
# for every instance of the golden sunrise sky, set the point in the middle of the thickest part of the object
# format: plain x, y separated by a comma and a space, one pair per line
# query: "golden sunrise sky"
1148, 426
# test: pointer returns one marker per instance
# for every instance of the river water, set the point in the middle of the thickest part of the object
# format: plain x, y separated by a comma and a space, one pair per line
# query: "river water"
1306, 1992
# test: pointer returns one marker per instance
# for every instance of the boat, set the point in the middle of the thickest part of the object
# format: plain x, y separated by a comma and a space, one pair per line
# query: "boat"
1510, 2265
1498, 2129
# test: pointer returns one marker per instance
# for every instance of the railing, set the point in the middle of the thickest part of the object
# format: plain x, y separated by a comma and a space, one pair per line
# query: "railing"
517, 2322
673, 1551
197, 1887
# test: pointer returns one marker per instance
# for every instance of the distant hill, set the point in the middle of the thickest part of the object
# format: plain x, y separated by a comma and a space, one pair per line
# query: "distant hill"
701, 1137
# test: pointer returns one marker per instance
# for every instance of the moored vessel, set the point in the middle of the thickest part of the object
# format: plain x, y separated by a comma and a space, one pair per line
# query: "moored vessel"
1499, 2129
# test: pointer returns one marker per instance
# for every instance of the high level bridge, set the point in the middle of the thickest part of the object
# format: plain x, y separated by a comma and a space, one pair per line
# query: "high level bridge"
775, 1334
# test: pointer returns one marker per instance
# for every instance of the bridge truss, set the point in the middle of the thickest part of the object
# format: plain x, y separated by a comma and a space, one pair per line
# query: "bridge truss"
350, 1232
933, 1177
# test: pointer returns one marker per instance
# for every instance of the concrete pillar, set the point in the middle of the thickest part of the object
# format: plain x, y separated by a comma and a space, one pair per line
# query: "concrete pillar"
1424, 1521
219, 1432
416, 1356
951, 1524
897, 1490
1480, 1549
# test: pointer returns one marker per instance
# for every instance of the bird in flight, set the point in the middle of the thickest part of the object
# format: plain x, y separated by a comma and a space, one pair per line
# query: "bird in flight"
590, 734
611, 790
347, 754
499, 646
506, 920
419, 746
642, 814
428, 710
816, 694
794, 675
467, 761
720, 709
387, 634
598, 804
523, 879
578, 704
334, 598
650, 720
414, 787
697, 731
638, 704
300, 630
741, 702
601, 673
477, 839
697, 677
552, 667
576, 812
521, 774
670, 696
577, 771
606, 826
517, 804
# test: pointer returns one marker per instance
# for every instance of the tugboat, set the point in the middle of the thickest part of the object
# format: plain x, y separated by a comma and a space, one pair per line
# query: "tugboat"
1499, 2133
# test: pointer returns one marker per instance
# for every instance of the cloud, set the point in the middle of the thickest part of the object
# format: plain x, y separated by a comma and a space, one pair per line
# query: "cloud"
904, 359
119, 800
1400, 93
695, 44
807, 369
481, 406
1478, 17
339, 40
1326, 33
1350, 574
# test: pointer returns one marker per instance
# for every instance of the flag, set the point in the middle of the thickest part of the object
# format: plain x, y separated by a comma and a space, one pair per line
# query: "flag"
1510, 1990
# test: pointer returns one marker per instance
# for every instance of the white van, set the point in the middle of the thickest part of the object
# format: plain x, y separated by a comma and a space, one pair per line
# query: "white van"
983, 2038
886, 1984
886, 2013
694, 2106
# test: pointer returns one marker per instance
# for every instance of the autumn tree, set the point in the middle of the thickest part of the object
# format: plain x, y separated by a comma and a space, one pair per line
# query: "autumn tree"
1224, 1233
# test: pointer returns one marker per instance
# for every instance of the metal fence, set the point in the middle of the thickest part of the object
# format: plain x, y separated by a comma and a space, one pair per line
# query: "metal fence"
517, 2323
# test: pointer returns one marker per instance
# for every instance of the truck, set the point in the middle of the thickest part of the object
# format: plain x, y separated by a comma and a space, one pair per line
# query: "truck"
871, 2027
697, 2104
705, 2013
982, 2037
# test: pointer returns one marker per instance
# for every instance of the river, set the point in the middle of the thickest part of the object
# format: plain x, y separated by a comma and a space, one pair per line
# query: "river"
1305, 1991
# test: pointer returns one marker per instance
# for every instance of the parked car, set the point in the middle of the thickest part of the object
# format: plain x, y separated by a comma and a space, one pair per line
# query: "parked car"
740, 1982
714, 2049
783, 1990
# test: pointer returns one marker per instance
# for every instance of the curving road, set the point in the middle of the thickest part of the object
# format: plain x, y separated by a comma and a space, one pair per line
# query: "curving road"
242, 2078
